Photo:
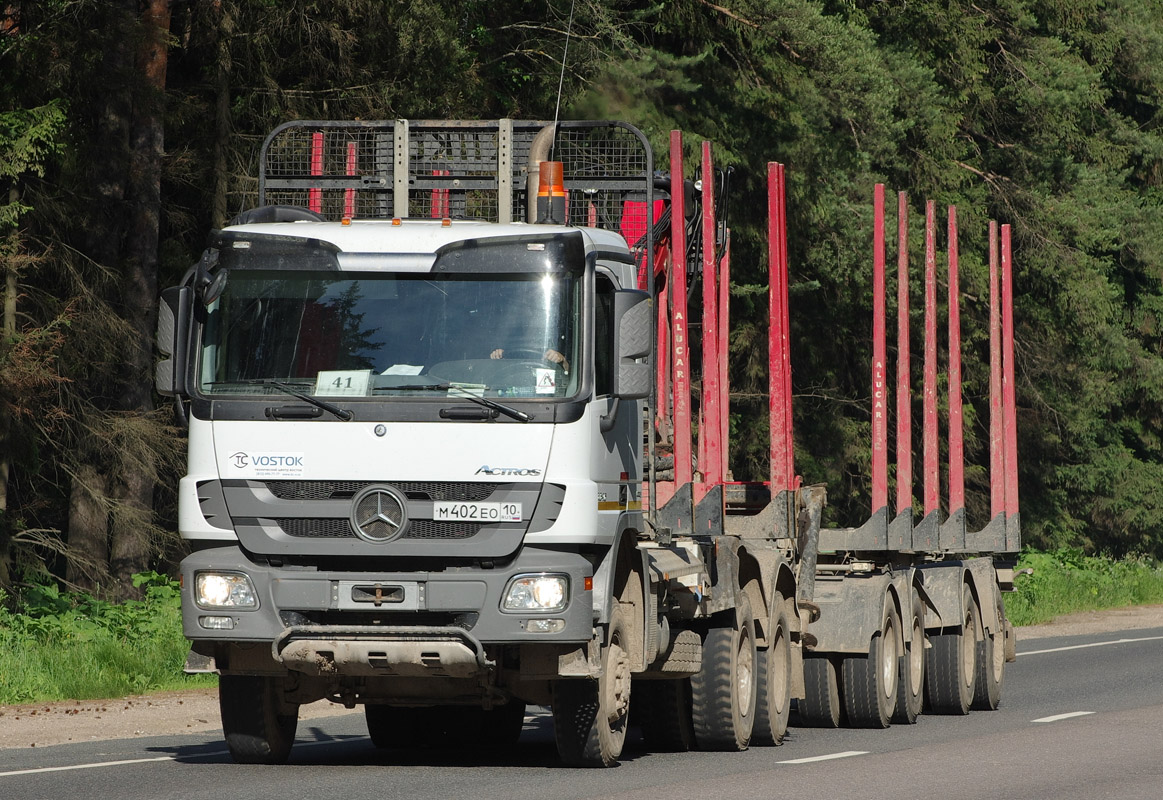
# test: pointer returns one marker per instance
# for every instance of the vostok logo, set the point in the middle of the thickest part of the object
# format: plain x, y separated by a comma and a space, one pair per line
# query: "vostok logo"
241, 460
487, 470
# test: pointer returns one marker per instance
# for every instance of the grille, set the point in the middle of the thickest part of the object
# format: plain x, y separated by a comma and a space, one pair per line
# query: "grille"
341, 529
413, 490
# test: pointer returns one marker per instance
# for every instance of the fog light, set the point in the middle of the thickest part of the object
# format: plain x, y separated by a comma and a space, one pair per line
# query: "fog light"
224, 590
536, 593
217, 623
544, 625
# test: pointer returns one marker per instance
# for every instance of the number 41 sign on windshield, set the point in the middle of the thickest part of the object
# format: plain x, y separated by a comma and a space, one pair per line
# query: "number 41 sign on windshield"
343, 382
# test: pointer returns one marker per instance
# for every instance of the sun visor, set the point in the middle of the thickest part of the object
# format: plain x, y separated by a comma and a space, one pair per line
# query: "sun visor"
242, 250
560, 253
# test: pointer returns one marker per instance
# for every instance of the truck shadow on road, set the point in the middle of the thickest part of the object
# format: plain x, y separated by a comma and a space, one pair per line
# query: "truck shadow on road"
319, 746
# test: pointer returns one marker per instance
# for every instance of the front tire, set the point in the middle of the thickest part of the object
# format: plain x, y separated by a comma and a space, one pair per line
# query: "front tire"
257, 722
589, 717
662, 710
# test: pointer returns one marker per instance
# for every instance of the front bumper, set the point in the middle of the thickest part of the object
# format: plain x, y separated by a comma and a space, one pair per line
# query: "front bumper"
459, 607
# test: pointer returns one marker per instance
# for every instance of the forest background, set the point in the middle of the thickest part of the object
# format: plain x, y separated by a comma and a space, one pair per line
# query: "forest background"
130, 128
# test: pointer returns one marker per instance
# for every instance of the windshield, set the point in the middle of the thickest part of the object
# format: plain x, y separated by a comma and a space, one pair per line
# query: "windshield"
384, 334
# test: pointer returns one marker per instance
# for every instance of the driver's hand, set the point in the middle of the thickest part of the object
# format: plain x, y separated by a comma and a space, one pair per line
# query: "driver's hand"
557, 358
498, 353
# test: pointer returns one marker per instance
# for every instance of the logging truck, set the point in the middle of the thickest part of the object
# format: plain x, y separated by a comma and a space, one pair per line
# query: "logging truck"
457, 406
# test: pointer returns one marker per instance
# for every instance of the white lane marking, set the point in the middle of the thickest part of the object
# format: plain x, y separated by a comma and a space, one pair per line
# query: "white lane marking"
829, 757
97, 764
1069, 715
93, 765
1092, 644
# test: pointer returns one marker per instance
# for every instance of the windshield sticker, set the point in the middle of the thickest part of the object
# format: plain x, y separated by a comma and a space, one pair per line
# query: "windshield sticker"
343, 383
403, 369
546, 381
264, 465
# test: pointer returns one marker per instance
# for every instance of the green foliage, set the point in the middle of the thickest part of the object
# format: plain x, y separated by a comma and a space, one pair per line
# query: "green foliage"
1067, 580
58, 645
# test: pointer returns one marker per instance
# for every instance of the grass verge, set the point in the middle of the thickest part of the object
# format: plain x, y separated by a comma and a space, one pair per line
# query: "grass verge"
1067, 581
66, 646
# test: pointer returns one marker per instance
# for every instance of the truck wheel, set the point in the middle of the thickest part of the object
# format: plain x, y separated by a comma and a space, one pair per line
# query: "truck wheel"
821, 706
951, 671
723, 691
259, 725
911, 690
392, 727
773, 703
589, 717
870, 682
662, 710
991, 667
501, 726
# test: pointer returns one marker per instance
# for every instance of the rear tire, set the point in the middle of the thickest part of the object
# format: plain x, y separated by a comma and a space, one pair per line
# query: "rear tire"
991, 666
821, 706
589, 717
773, 695
871, 681
910, 695
258, 724
723, 693
662, 711
952, 668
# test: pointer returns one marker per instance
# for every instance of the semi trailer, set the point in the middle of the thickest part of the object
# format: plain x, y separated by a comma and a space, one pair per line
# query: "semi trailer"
457, 405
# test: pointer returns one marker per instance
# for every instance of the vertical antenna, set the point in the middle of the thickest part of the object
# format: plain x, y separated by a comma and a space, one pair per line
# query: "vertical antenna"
561, 80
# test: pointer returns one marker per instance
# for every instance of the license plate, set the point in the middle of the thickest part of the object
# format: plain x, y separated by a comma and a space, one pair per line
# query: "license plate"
450, 511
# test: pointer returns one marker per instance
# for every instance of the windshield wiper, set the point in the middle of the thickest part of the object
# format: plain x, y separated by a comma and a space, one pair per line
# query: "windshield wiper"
343, 413
508, 411
290, 389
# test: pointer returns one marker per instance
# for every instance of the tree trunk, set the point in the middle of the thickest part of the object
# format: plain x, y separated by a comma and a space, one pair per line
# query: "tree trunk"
9, 331
89, 529
132, 521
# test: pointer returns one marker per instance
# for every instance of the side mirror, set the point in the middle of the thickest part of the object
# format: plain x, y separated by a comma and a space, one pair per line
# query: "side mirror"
633, 325
173, 336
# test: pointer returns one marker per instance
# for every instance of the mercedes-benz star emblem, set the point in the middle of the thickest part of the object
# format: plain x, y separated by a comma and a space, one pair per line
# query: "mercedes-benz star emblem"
379, 514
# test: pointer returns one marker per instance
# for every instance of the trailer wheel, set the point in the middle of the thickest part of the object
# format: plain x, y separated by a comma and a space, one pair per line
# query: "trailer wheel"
951, 671
662, 711
773, 704
589, 717
911, 691
820, 706
259, 725
871, 681
723, 691
991, 667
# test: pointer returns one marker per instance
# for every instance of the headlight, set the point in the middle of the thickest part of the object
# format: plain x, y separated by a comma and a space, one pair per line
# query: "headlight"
224, 590
536, 593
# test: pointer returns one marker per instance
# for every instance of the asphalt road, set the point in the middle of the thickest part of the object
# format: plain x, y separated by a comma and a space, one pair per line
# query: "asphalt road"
1081, 717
